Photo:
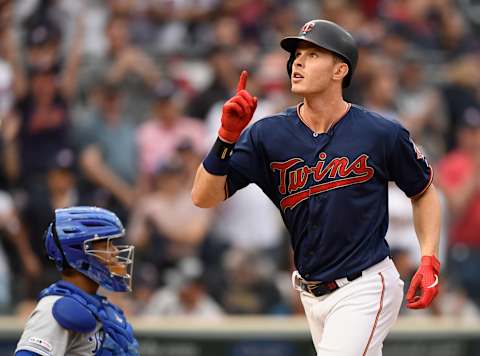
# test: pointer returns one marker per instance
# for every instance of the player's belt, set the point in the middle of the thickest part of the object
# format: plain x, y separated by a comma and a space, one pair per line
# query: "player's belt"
321, 288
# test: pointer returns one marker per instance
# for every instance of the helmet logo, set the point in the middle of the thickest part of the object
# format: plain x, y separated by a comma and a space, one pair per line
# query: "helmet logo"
307, 27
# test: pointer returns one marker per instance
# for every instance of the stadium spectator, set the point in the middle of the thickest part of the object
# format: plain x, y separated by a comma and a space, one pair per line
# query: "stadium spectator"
183, 295
460, 92
43, 90
419, 104
23, 263
458, 176
158, 137
124, 65
247, 286
165, 227
220, 60
109, 154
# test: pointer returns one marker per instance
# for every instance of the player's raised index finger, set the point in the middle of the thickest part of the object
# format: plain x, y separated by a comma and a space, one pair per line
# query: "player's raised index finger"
242, 82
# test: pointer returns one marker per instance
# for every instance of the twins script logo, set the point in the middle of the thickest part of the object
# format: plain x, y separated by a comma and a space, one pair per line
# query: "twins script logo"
307, 27
341, 172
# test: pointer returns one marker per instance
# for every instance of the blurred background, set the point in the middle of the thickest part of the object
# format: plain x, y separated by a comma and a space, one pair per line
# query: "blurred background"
114, 103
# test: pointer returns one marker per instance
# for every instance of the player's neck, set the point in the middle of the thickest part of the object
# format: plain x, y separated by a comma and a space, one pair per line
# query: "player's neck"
321, 112
82, 282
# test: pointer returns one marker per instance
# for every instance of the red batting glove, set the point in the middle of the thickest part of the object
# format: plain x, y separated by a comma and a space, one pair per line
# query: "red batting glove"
426, 281
237, 112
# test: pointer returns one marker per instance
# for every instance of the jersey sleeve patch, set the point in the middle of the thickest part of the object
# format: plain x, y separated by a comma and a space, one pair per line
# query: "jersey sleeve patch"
408, 167
36, 346
41, 342
72, 315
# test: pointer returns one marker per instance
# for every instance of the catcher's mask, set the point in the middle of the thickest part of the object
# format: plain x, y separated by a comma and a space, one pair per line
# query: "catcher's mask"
84, 238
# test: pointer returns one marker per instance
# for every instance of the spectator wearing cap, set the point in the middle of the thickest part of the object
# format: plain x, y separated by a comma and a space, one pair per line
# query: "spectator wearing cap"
43, 125
458, 176
158, 137
42, 43
108, 156
43, 90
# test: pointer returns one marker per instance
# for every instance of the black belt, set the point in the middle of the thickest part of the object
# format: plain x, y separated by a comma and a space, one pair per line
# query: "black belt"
321, 288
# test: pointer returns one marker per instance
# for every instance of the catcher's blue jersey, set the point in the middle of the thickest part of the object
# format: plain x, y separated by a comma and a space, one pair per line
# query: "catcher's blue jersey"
330, 188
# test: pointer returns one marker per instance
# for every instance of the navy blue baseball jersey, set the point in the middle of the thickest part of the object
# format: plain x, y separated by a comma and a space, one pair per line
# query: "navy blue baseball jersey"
331, 188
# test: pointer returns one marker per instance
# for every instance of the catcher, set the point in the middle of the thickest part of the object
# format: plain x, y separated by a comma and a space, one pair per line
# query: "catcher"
70, 317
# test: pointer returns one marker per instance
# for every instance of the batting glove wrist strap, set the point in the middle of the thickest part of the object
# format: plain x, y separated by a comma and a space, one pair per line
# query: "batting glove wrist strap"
217, 160
431, 261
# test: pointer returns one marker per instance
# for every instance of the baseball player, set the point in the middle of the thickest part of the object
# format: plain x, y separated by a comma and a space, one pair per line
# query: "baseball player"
326, 165
70, 318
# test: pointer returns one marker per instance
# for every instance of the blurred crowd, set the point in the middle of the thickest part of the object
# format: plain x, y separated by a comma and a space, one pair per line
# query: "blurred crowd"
114, 103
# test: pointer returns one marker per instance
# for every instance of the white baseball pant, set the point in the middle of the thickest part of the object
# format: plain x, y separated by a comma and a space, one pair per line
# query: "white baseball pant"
355, 319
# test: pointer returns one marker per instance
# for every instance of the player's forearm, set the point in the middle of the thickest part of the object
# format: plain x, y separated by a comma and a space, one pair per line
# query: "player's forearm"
70, 74
12, 54
426, 218
18, 236
146, 69
11, 160
209, 184
137, 227
95, 169
208, 189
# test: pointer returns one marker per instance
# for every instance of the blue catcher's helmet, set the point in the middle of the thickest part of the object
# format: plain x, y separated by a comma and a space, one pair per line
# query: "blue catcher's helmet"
83, 238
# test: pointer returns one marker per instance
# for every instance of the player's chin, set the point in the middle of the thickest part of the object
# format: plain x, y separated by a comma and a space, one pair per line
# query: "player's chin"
298, 89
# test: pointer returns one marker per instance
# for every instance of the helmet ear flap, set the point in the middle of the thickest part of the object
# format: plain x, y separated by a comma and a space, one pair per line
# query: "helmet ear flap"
53, 248
290, 64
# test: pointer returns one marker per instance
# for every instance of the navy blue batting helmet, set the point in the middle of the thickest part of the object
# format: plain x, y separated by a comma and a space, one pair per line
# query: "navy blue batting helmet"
83, 238
327, 35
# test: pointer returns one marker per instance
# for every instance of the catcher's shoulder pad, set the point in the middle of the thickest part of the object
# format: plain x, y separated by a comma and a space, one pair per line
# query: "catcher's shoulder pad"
74, 316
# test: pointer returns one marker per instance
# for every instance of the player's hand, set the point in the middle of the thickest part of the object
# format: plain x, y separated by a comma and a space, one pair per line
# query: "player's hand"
237, 112
425, 281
